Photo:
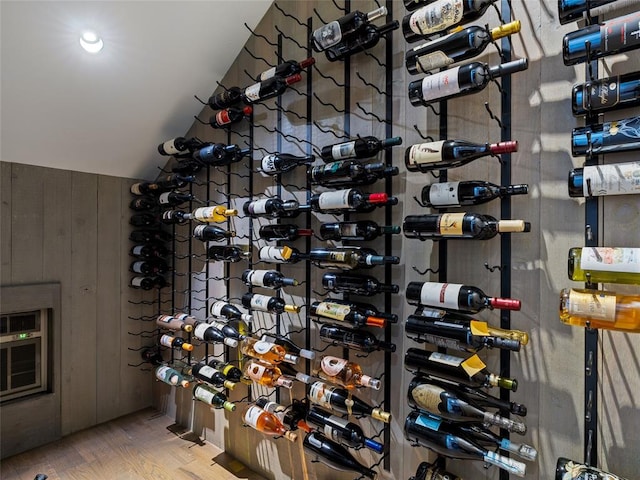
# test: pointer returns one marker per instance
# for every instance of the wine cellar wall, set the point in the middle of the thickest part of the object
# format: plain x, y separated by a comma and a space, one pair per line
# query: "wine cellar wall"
366, 95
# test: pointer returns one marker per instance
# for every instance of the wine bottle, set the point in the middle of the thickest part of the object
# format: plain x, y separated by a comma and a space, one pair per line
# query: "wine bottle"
143, 220
344, 173
340, 430
175, 342
163, 184
149, 250
571, 470
600, 180
208, 374
609, 137
288, 345
365, 285
350, 258
359, 230
337, 31
173, 323
219, 154
229, 116
462, 194
570, 10
149, 266
344, 373
214, 214
604, 265
227, 253
455, 47
267, 351
340, 400
350, 199
606, 94
211, 233
282, 254
174, 198
292, 417
171, 376
444, 403
264, 303
150, 236
412, 5
472, 226
209, 333
346, 314
226, 330
267, 278
362, 147
279, 163
483, 436
266, 374
222, 309
367, 309
360, 340
470, 371
230, 371
283, 232
443, 154
286, 69
453, 296
225, 99
272, 87
458, 332
266, 422
334, 455
438, 16
143, 204
600, 309
459, 81
212, 397
366, 38
186, 166
431, 432
147, 283
178, 146
152, 355
272, 208
435, 470
600, 40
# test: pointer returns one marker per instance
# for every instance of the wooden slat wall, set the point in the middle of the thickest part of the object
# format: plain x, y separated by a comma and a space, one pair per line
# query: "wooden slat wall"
72, 228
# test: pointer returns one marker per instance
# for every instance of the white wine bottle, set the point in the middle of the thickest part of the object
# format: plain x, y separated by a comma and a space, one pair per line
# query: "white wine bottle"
604, 265
600, 309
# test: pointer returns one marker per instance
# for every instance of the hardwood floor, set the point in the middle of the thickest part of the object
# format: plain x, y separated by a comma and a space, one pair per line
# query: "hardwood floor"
141, 446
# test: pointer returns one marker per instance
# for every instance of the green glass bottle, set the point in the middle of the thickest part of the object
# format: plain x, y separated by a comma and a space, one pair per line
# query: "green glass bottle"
604, 265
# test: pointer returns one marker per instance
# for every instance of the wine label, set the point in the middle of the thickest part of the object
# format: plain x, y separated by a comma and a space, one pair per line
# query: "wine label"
166, 374
258, 206
432, 61
256, 277
332, 433
166, 318
350, 230
430, 152
204, 214
164, 198
473, 365
259, 302
428, 422
610, 259
441, 84
335, 311
579, 471
332, 366
169, 147
601, 94
268, 165
253, 92
436, 17
446, 359
343, 150
135, 189
222, 117
328, 35
443, 295
597, 306
334, 200
620, 32
313, 440
427, 396
207, 372
203, 395
198, 332
618, 179
479, 329
267, 74
445, 193
444, 342
272, 254
451, 224
256, 371
320, 394
137, 266
252, 415
216, 309
137, 250
198, 231
261, 347
166, 340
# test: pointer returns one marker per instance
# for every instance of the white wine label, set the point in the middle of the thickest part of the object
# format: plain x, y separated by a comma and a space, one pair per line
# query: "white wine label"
198, 332
446, 359
258, 206
261, 347
313, 440
164, 198
268, 164
137, 281
320, 394
257, 277
436, 17
207, 371
267, 74
217, 325
610, 259
137, 250
430, 152
432, 61
169, 147
451, 224
259, 302
343, 150
445, 193
618, 179
596, 306
334, 200
216, 309
204, 395
198, 231
204, 214
135, 189
441, 84
332, 366
166, 374
166, 340
137, 266
333, 310
427, 396
253, 92
272, 254
428, 422
328, 35
332, 433
252, 415
443, 295
349, 230
256, 371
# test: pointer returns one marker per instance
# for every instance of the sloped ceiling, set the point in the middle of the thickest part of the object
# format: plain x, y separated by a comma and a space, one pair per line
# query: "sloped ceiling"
106, 113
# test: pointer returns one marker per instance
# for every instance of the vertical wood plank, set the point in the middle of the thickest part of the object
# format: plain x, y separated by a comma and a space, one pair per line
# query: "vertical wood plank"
5, 223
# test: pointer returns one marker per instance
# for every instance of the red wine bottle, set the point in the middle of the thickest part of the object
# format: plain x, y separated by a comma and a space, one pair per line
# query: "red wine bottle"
360, 340
345, 173
334, 455
269, 88
345, 313
340, 400
606, 94
466, 193
362, 147
350, 199
435, 470
571, 10
229, 116
283, 232
444, 154
227, 310
211, 233
147, 283
151, 235
339, 30
163, 184
219, 154
608, 137
144, 220
149, 250
149, 266
279, 163
179, 146
341, 430
453, 296
273, 208
473, 226
264, 303
366, 38
174, 198
366, 309
225, 99
143, 204
365, 285
267, 278
227, 253
349, 258
360, 230
286, 69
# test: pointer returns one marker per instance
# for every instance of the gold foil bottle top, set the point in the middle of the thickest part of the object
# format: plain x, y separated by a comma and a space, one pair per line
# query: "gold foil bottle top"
289, 435
292, 308
229, 384
187, 328
505, 30
381, 415
230, 407
231, 212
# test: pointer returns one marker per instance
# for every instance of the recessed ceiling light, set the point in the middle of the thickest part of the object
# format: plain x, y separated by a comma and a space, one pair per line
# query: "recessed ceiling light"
91, 42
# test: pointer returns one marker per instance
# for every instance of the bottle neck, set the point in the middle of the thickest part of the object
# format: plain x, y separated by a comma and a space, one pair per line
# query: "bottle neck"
383, 30
522, 189
508, 68
377, 13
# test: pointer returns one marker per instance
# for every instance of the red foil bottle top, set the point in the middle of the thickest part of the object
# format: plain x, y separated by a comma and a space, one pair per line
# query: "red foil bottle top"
247, 110
378, 198
305, 232
505, 303
307, 62
293, 78
504, 147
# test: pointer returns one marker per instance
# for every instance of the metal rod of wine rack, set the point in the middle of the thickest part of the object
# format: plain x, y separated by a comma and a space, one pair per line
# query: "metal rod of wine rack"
307, 339
347, 127
278, 184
